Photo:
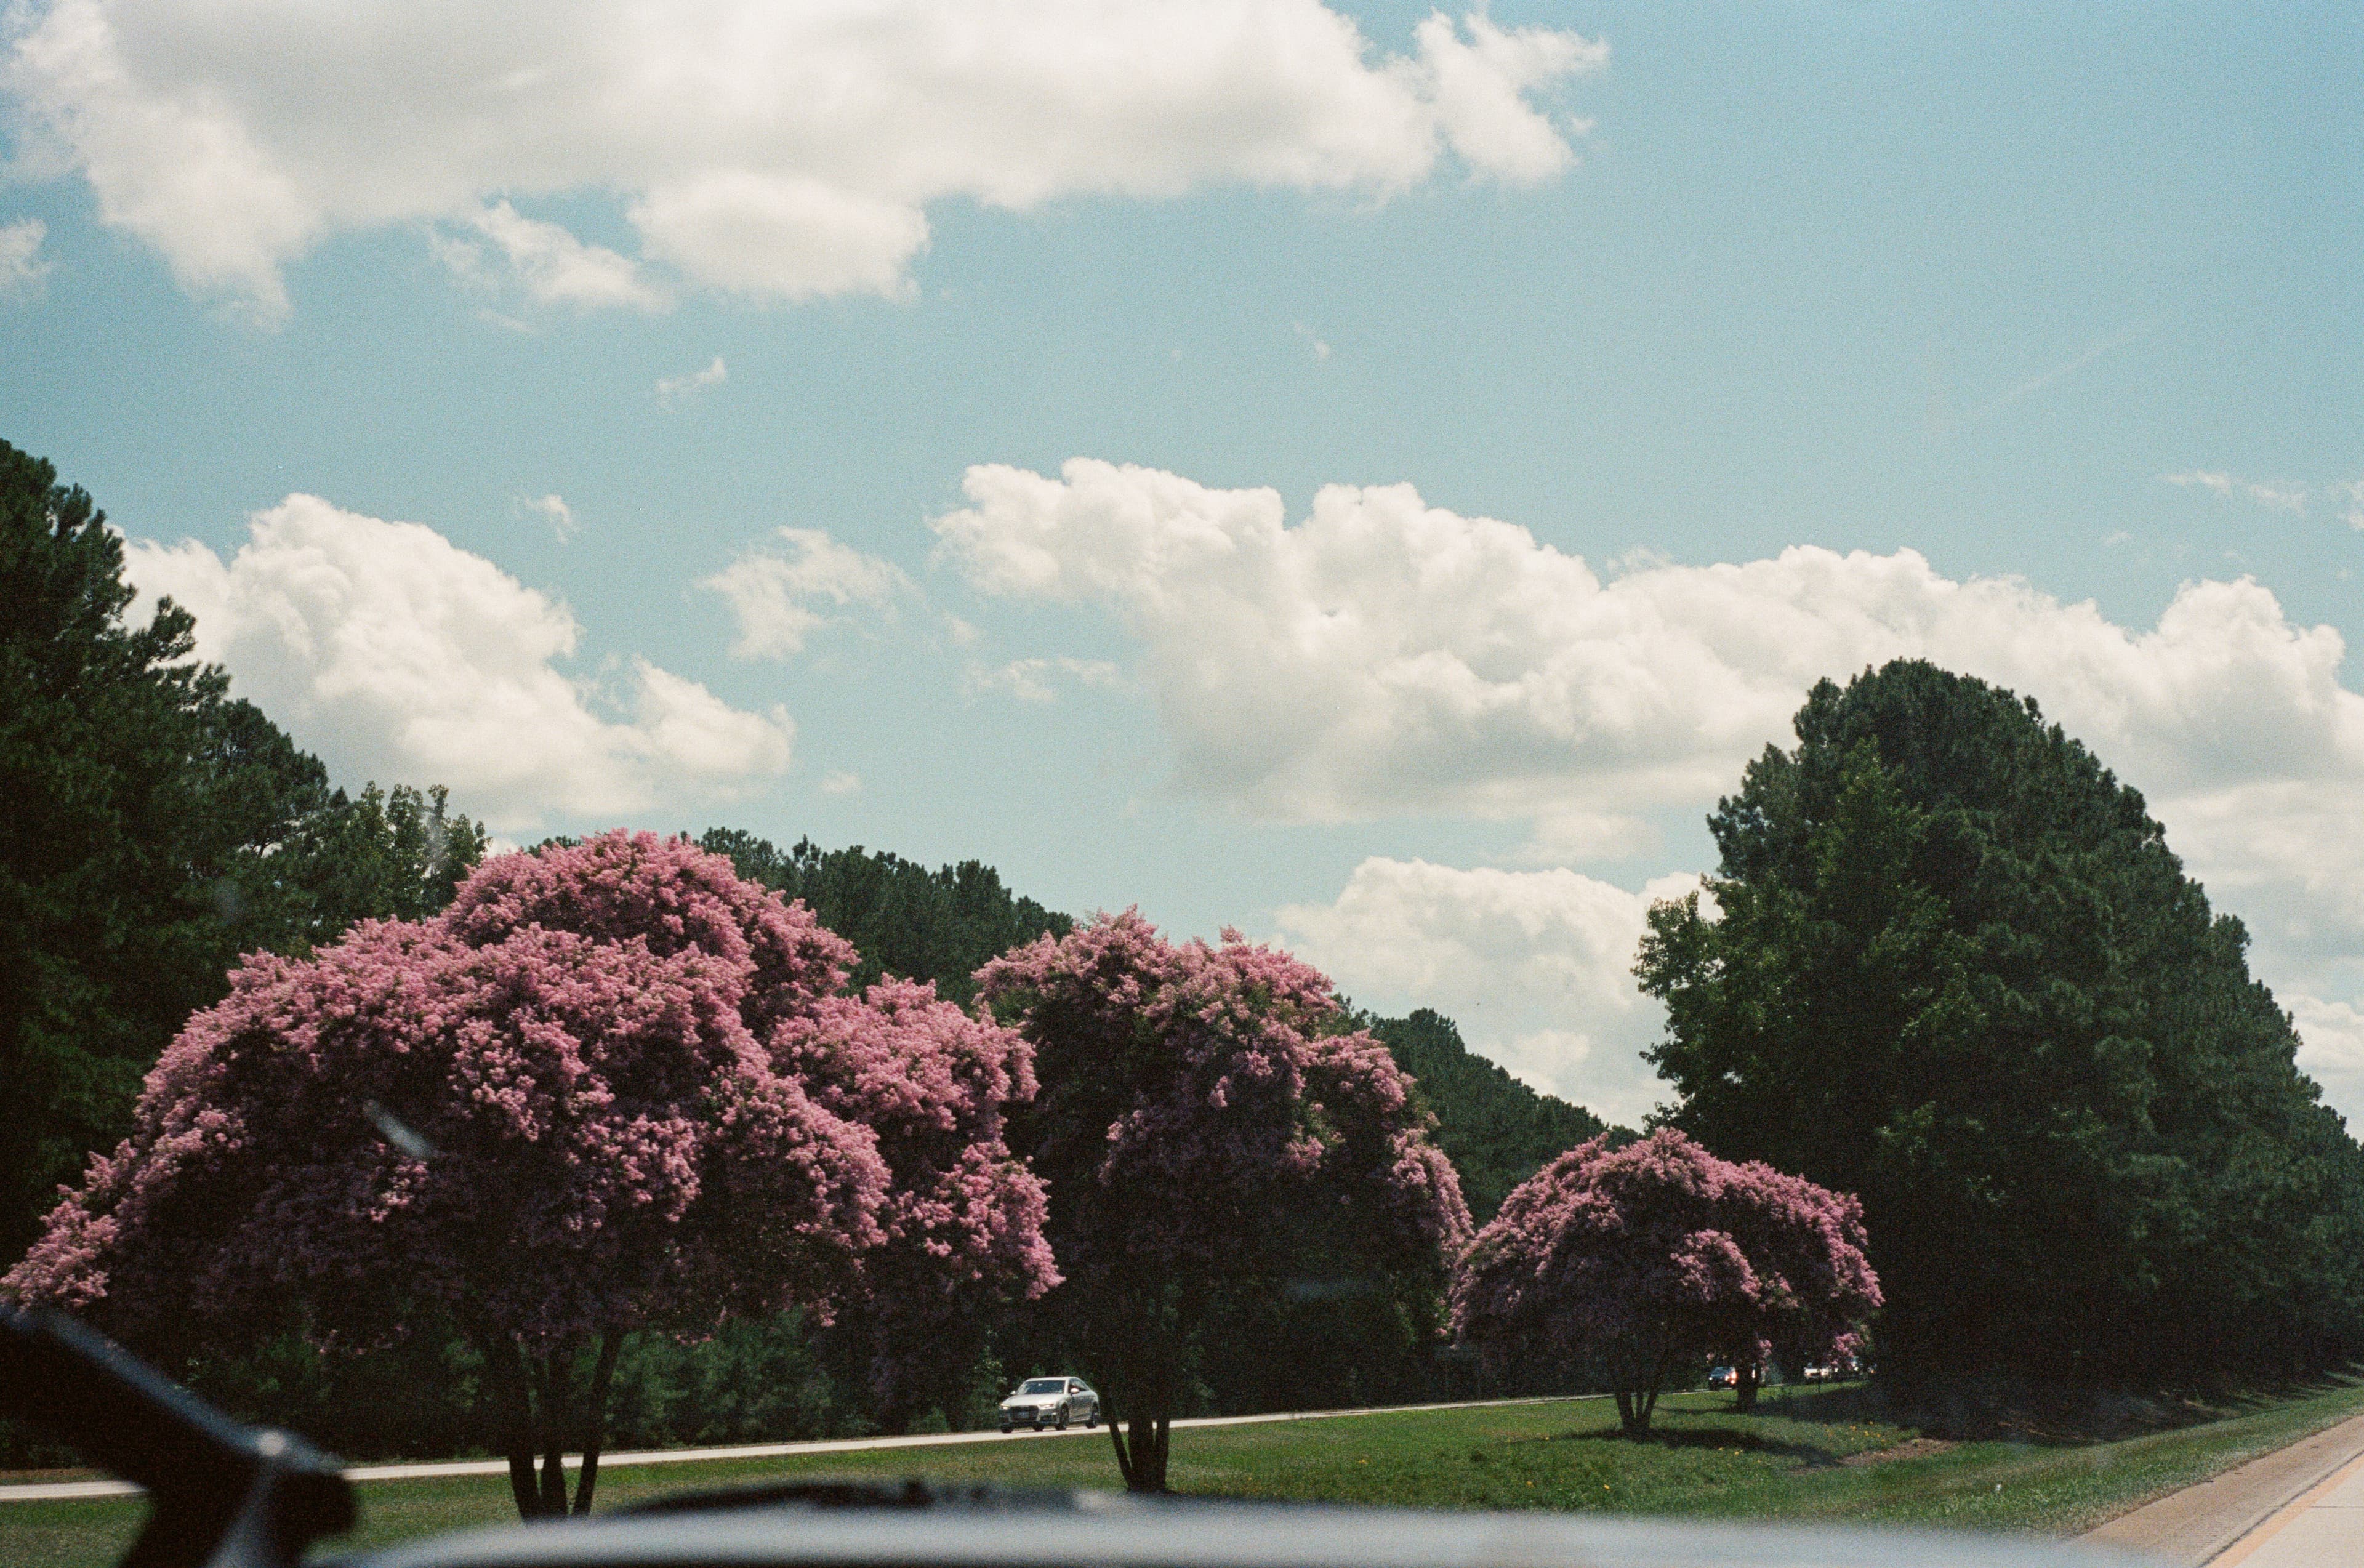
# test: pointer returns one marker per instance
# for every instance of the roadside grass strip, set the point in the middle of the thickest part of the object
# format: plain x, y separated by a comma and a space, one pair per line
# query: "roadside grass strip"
1820, 1455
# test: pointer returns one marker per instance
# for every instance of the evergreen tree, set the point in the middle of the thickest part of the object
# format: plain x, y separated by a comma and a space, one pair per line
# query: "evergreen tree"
155, 828
906, 920
1955, 969
1496, 1131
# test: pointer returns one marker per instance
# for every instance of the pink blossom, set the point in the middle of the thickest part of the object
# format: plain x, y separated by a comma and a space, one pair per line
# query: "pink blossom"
1659, 1250
1206, 1121
645, 1101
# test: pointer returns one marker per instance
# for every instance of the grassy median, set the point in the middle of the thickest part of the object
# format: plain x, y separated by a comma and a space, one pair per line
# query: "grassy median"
1821, 1455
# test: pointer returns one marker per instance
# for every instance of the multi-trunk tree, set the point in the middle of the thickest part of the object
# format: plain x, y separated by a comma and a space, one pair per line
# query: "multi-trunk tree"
1208, 1129
612, 1087
1644, 1258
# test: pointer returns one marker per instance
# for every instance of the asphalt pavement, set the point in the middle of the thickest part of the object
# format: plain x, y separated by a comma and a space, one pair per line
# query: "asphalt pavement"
2300, 1506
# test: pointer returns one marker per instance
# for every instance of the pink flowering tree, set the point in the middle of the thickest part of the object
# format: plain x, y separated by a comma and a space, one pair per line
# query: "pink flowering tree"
1659, 1254
612, 1087
1207, 1126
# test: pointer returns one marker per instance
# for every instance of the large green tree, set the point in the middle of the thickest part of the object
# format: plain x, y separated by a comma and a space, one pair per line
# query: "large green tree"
1952, 965
154, 828
906, 919
1495, 1129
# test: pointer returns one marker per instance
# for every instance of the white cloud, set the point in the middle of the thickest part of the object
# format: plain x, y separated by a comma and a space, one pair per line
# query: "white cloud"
2352, 496
552, 509
398, 656
21, 264
1030, 679
840, 782
2277, 495
551, 265
671, 389
773, 593
1321, 350
1534, 966
782, 150
2332, 1052
1386, 657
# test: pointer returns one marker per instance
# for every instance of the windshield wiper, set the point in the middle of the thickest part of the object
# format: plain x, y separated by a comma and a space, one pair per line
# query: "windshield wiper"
222, 1495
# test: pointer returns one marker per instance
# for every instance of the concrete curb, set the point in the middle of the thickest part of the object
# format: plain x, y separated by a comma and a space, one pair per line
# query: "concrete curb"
2202, 1523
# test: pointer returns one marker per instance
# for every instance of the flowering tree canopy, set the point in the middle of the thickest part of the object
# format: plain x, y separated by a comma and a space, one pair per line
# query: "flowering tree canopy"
611, 1086
1205, 1123
1660, 1251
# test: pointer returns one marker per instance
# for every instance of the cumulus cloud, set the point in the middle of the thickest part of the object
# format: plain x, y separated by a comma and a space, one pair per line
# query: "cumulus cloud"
671, 389
774, 593
1034, 680
1535, 966
395, 655
21, 264
774, 150
1383, 656
550, 264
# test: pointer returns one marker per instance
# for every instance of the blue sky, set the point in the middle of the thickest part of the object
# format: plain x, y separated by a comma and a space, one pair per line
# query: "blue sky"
2063, 299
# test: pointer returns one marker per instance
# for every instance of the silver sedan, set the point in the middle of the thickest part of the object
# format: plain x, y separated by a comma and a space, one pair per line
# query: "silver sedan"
1042, 1402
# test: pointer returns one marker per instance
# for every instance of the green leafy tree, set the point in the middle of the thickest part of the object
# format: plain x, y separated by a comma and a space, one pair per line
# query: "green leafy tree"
1952, 966
1495, 1129
907, 920
155, 827
393, 854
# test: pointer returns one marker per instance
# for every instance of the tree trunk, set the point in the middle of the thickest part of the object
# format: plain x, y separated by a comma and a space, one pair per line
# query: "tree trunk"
1145, 1414
557, 1375
1745, 1378
1116, 1442
504, 1368
535, 1397
595, 1417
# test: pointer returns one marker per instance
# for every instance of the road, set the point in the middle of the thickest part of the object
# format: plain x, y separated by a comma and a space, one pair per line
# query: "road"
2301, 1507
2320, 1528
52, 1491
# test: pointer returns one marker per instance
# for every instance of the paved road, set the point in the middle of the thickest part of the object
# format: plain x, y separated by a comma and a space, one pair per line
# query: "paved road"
2301, 1507
2323, 1527
50, 1491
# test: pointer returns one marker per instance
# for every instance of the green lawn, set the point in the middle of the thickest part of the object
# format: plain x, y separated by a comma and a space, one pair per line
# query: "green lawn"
1814, 1455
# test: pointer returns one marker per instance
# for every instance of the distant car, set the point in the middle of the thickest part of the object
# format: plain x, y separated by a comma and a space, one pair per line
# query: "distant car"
1721, 1377
1042, 1402
1817, 1372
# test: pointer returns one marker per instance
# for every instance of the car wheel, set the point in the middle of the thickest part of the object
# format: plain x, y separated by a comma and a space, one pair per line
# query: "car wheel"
1093, 1419
1005, 1429
1063, 1417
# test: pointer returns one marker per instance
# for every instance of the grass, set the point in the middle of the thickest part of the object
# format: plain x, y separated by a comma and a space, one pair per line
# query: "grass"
1822, 1454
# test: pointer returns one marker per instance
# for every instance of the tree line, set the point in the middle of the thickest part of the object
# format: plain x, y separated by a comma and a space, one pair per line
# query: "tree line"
1952, 966
161, 816
1948, 966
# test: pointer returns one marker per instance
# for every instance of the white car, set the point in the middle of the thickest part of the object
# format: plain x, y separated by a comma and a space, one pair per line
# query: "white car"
1042, 1402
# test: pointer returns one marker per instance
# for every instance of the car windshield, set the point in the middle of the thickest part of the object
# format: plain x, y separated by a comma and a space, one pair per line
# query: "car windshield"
1327, 704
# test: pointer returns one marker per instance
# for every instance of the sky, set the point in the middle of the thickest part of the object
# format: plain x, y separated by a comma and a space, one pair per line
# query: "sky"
1365, 476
